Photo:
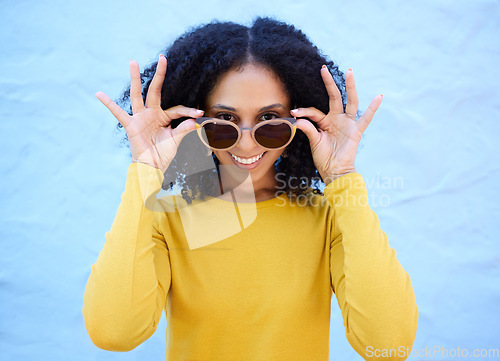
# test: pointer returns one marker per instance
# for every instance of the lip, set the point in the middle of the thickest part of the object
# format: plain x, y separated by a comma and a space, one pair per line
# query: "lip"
247, 166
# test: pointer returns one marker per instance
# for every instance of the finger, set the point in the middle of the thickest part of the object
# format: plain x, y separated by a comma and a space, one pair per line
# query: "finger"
153, 99
180, 111
313, 114
352, 97
335, 99
310, 131
183, 129
367, 117
120, 114
135, 88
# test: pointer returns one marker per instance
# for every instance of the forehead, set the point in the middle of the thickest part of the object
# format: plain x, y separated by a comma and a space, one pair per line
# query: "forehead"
252, 86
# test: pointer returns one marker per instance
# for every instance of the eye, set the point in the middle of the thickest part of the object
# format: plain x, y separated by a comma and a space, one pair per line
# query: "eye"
225, 116
268, 116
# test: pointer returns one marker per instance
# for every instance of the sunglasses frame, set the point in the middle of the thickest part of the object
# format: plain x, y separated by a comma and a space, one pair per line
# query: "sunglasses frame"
200, 122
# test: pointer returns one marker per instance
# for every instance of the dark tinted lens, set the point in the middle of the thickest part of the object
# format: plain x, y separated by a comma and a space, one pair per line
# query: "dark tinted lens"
273, 135
219, 136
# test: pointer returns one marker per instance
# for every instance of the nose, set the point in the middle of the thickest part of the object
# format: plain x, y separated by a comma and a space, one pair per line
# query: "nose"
246, 143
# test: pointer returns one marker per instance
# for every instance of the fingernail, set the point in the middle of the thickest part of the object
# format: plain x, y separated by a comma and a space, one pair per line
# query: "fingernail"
350, 69
323, 66
382, 95
294, 110
199, 111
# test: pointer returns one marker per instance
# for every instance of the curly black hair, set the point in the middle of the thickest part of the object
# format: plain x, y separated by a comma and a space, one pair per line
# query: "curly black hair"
196, 62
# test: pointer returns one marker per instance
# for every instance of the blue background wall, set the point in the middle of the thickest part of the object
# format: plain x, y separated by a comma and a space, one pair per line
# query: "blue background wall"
430, 156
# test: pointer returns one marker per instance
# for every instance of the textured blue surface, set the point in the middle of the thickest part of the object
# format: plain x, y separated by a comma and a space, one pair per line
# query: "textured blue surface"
430, 156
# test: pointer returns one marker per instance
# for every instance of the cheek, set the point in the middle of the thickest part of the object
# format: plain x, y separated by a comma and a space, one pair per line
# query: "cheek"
275, 154
220, 155
224, 157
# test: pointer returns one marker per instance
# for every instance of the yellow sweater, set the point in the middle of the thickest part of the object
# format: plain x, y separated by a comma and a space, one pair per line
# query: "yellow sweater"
251, 281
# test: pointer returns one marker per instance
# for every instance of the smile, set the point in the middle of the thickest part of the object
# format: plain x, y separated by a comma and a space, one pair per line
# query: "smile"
247, 161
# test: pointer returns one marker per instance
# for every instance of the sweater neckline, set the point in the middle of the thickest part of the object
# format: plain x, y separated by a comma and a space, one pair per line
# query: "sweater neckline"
262, 204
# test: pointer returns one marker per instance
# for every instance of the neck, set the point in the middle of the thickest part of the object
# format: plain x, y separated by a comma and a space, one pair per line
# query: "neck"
247, 188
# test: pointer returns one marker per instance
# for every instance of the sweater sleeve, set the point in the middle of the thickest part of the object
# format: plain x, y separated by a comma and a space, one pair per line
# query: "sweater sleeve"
128, 285
373, 290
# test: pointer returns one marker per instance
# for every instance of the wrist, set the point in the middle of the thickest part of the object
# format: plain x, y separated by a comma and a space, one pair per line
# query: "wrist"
331, 176
157, 166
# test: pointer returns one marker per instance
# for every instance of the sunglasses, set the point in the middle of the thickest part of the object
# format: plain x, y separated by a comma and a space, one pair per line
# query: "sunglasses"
223, 135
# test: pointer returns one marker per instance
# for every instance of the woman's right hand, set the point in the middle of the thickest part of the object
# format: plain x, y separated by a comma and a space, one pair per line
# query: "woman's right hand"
152, 140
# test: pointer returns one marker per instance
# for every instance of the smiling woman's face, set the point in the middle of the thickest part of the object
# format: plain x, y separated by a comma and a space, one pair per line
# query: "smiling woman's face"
246, 97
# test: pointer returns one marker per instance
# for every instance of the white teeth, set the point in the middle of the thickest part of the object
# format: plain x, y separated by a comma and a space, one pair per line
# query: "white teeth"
247, 160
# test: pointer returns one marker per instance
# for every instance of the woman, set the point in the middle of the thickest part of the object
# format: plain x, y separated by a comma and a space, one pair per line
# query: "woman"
243, 268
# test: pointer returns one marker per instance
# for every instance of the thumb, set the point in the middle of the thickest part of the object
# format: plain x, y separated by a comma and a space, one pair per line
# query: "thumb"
310, 131
183, 129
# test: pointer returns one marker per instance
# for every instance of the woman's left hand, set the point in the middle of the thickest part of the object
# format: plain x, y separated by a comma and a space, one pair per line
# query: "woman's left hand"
335, 143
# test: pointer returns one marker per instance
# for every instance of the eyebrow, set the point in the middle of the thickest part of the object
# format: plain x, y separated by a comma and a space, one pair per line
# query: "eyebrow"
268, 107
